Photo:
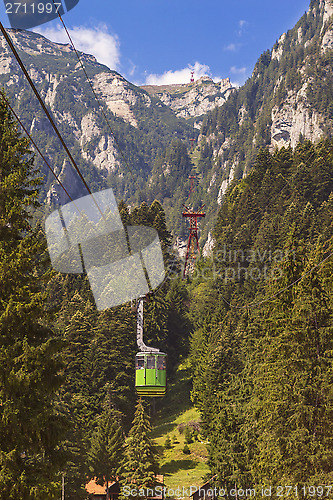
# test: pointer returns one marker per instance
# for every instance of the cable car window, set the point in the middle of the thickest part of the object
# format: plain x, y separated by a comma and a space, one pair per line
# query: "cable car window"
161, 364
140, 363
150, 362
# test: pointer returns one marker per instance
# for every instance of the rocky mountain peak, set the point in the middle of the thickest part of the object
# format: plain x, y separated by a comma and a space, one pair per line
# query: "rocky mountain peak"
57, 74
194, 99
326, 7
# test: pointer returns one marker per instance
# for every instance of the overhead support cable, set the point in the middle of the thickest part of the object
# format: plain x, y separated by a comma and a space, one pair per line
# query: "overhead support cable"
252, 305
46, 111
39, 151
35, 145
98, 100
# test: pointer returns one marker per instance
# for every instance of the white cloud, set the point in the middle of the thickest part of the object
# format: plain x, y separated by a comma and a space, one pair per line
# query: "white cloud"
132, 69
242, 23
232, 47
181, 75
96, 41
238, 71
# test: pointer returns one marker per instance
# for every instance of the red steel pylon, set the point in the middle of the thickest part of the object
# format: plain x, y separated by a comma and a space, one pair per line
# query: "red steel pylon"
193, 240
192, 177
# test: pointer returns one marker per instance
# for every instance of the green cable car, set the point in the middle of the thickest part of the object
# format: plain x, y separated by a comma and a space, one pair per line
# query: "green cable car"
150, 374
150, 363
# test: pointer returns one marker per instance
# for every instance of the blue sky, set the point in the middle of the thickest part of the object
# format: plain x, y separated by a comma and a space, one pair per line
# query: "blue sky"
160, 41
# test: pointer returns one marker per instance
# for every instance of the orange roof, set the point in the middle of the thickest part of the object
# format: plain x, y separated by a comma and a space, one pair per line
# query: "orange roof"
96, 489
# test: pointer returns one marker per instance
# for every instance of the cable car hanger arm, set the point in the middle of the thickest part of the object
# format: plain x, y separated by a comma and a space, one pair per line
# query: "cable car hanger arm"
139, 329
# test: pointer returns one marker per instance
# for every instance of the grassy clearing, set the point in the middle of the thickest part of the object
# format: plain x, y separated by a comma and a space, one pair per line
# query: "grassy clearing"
179, 469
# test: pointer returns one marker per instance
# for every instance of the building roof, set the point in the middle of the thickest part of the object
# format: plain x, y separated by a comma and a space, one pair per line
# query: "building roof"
207, 483
97, 489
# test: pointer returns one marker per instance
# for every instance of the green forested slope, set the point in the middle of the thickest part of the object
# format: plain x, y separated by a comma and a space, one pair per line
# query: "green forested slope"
31, 425
260, 310
67, 370
175, 425
101, 346
262, 349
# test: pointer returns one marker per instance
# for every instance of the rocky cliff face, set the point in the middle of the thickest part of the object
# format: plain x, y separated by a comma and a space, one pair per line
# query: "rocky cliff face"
287, 99
193, 99
294, 118
58, 76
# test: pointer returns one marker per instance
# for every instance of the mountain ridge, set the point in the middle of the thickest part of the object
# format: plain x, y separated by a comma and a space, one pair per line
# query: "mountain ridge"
278, 105
287, 98
192, 99
141, 124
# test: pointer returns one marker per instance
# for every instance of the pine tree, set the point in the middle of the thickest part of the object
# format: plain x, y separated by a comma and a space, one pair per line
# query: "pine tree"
140, 465
30, 426
106, 453
78, 394
168, 444
188, 436
291, 406
186, 449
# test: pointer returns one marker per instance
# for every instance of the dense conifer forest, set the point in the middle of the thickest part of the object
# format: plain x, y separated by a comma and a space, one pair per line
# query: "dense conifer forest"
251, 329
255, 319
67, 396
262, 343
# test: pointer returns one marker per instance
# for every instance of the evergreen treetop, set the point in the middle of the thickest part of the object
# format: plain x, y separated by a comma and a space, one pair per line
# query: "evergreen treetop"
140, 467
